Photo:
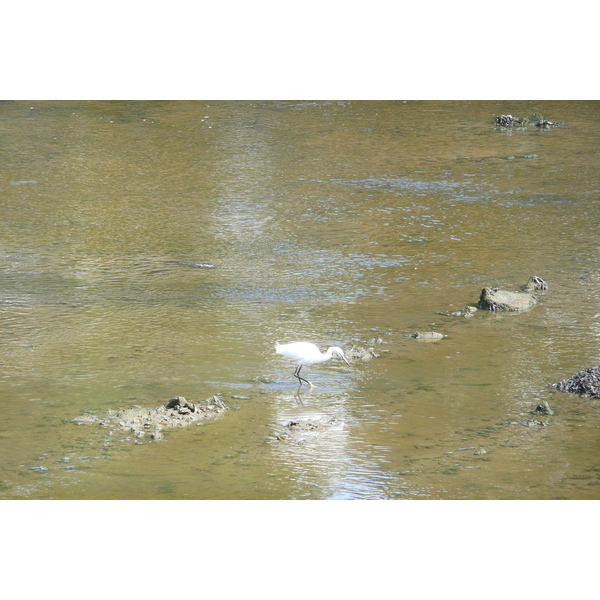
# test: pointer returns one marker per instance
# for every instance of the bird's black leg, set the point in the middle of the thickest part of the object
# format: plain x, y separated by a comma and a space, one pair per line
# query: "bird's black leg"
301, 379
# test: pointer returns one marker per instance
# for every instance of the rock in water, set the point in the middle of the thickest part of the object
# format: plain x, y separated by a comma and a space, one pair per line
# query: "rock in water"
429, 336
535, 284
584, 383
149, 422
500, 300
543, 408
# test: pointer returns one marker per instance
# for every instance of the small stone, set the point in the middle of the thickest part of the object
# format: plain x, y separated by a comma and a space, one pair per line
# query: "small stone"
428, 335
535, 284
543, 408
176, 401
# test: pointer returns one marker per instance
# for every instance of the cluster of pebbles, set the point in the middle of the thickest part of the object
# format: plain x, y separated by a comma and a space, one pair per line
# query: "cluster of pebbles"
536, 119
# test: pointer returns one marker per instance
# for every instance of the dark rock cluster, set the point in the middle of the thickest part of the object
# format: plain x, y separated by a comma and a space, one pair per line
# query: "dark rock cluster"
584, 383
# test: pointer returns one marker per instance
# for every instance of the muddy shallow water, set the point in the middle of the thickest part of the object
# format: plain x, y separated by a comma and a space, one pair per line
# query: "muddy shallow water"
159, 249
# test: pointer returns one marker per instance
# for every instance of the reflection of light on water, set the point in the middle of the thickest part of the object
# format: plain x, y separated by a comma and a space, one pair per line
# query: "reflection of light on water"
327, 463
241, 218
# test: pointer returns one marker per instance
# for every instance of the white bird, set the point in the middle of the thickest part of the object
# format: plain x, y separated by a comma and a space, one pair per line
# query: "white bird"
305, 353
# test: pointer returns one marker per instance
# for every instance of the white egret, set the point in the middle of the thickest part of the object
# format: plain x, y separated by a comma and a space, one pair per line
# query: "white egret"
305, 353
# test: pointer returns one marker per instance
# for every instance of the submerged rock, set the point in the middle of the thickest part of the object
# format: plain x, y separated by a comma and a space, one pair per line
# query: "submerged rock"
510, 121
543, 408
585, 383
467, 311
428, 336
360, 353
500, 300
504, 121
545, 124
534, 423
296, 431
365, 349
193, 264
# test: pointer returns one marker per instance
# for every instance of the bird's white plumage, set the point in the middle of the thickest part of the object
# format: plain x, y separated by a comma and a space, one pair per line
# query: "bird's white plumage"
306, 354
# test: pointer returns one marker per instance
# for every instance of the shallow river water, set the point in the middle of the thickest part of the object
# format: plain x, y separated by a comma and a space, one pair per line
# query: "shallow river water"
156, 249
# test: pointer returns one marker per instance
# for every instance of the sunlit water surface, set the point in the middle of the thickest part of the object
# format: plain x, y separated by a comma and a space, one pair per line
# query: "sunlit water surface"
155, 249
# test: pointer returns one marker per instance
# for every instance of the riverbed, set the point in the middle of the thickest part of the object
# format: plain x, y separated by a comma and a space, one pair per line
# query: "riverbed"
159, 249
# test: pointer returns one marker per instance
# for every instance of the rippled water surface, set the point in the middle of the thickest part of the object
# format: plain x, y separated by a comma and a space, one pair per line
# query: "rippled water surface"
156, 249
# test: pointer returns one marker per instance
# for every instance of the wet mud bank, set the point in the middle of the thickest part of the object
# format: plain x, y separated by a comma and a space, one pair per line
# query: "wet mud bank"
150, 423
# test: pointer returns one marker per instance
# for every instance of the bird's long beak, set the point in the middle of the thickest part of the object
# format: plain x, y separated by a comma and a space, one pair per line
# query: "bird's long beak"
344, 359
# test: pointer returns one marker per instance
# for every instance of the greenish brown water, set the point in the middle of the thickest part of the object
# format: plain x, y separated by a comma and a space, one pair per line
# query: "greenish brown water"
331, 222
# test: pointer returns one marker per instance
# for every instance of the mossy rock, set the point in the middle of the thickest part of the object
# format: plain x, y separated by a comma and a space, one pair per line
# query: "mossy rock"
495, 299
